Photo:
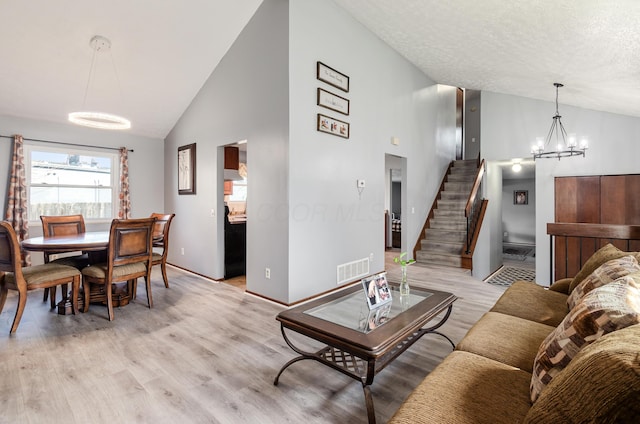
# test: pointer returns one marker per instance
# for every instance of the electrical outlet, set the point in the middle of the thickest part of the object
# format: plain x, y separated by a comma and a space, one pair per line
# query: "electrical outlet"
182, 250
361, 183
213, 212
267, 273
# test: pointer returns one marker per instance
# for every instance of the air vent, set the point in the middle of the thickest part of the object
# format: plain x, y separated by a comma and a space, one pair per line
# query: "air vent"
351, 271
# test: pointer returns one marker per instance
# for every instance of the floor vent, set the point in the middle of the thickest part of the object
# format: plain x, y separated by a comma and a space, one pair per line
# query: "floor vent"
353, 270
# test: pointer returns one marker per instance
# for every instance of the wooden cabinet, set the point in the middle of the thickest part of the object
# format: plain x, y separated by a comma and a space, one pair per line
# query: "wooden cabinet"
231, 157
600, 199
228, 187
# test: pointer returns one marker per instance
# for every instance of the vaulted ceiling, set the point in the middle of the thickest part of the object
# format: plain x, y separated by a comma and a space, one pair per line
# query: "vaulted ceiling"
164, 50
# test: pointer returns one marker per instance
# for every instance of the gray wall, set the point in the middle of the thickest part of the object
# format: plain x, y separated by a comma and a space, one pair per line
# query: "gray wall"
145, 171
330, 222
304, 213
472, 113
510, 125
519, 221
245, 98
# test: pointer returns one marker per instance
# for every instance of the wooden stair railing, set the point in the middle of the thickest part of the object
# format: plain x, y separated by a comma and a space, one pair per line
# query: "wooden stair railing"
472, 209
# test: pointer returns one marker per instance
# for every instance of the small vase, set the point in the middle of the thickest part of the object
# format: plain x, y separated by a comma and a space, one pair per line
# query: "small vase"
404, 284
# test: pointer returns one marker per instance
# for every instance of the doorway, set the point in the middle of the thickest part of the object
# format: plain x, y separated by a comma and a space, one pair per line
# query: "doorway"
518, 214
235, 189
395, 201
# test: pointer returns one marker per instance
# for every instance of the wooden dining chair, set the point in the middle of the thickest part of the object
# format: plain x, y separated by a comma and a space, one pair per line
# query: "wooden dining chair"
161, 241
63, 225
15, 277
128, 257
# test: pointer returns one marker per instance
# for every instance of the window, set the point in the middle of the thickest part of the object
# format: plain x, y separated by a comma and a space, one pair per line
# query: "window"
68, 182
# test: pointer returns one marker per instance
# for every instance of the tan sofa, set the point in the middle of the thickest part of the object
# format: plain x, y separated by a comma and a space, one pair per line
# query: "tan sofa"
488, 376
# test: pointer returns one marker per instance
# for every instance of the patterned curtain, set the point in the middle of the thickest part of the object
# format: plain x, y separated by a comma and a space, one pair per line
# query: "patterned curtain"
17, 213
124, 211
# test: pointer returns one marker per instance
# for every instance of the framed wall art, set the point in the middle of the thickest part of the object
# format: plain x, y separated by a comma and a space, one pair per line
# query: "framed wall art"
333, 102
520, 197
187, 169
333, 126
332, 77
376, 290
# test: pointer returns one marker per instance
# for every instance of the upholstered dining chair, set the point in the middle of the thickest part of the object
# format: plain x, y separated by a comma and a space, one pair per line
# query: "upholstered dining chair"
128, 258
13, 276
63, 225
161, 241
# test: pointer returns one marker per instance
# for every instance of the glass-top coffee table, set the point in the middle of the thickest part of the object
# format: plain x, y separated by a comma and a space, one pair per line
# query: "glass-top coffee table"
362, 342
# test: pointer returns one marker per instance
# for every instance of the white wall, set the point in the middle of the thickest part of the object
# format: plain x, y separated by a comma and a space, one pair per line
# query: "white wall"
145, 162
330, 223
510, 125
519, 221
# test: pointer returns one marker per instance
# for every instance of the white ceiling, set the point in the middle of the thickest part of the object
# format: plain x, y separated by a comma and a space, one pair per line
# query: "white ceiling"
164, 50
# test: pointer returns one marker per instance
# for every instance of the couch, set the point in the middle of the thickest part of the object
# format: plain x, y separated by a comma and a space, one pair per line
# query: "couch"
511, 367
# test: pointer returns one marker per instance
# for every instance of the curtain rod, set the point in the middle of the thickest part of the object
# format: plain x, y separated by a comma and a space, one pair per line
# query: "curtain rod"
65, 144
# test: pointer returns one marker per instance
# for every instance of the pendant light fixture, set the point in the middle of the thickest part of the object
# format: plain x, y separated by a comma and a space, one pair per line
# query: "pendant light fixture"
565, 145
94, 119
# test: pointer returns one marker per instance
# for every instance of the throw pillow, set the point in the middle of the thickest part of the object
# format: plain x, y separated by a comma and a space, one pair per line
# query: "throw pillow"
604, 254
603, 310
605, 274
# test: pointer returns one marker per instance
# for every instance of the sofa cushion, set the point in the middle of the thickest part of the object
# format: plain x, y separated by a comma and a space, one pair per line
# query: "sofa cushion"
601, 311
468, 389
511, 340
604, 274
530, 301
600, 385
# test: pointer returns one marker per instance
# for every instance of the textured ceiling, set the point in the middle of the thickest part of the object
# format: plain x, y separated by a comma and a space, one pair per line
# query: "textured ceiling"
164, 50
519, 47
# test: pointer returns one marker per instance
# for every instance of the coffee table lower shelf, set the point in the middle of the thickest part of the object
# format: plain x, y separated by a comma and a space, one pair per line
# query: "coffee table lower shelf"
365, 368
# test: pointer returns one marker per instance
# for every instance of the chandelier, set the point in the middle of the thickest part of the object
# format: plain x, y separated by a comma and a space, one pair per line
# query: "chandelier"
565, 145
106, 121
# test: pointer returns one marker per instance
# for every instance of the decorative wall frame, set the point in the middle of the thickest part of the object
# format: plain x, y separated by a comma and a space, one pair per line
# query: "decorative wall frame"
333, 126
332, 77
520, 197
187, 169
333, 101
376, 290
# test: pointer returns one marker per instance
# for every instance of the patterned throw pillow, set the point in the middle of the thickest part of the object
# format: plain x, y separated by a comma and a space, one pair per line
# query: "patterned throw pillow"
604, 254
603, 310
605, 274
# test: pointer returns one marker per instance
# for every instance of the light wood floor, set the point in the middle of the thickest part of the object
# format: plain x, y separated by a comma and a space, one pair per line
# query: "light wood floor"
206, 353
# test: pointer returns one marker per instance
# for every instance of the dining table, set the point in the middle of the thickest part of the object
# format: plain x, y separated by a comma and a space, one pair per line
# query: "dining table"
95, 243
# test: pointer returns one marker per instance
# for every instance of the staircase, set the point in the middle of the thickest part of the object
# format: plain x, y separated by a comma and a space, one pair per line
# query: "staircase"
445, 234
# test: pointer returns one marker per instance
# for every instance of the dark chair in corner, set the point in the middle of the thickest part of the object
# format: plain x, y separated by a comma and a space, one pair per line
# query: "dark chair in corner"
128, 257
62, 226
161, 241
14, 276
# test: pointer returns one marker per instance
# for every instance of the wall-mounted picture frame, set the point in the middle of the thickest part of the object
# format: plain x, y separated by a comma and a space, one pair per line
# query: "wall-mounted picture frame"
376, 290
333, 126
333, 101
520, 197
332, 77
187, 169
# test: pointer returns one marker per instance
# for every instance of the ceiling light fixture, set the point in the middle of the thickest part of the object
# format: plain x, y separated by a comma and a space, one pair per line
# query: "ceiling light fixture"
100, 120
566, 145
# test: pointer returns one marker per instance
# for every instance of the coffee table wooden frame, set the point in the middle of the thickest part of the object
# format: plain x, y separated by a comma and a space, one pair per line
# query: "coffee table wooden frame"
363, 355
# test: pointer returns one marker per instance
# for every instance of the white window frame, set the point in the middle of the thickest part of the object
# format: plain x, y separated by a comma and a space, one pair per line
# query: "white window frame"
82, 151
